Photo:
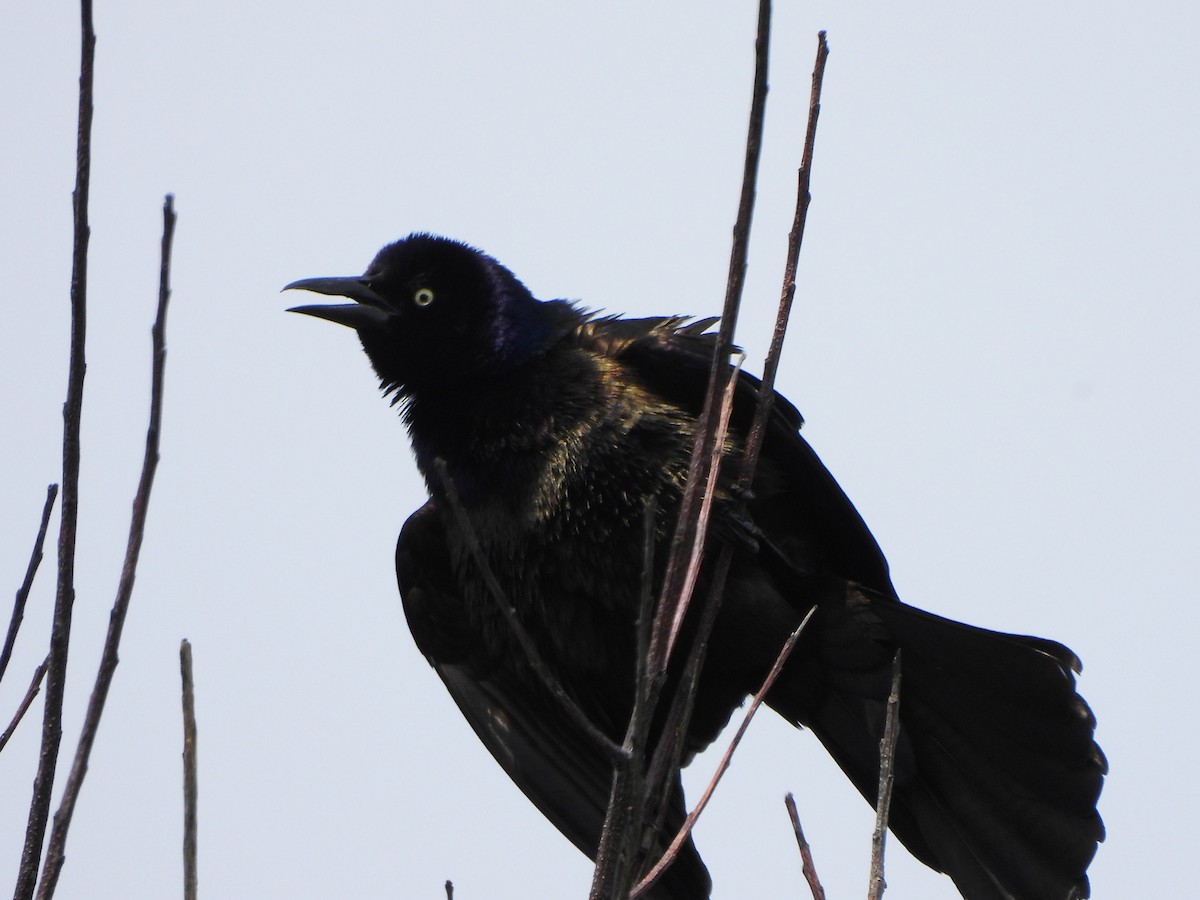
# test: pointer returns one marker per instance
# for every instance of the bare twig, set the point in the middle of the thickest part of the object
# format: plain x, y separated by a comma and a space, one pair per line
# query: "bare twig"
189, 771
116, 621
626, 810
806, 860
615, 873
35, 559
788, 293
534, 657
25, 703
887, 758
673, 602
690, 822
60, 634
716, 451
645, 615
684, 555
666, 758
667, 755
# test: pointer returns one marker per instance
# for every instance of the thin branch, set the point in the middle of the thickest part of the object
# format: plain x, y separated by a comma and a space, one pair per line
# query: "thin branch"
640, 797
666, 759
35, 559
716, 451
687, 544
669, 750
689, 823
887, 776
625, 813
189, 771
60, 633
534, 657
788, 293
34, 686
665, 762
673, 602
645, 613
116, 620
806, 860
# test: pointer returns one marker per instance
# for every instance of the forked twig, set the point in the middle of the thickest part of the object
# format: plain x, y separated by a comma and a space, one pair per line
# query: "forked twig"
887, 777
55, 851
35, 559
806, 859
34, 685
669, 857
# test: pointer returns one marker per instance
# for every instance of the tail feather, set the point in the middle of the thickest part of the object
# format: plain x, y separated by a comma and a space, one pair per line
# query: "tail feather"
1034, 756
956, 854
1006, 699
1034, 848
997, 771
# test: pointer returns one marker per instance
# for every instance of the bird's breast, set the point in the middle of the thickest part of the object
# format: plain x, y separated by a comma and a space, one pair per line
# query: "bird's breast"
558, 514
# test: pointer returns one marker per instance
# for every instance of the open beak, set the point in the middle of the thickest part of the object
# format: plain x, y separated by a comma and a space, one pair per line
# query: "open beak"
368, 310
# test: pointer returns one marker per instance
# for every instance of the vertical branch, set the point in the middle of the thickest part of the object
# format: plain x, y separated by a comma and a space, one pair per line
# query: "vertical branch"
666, 758
887, 776
56, 678
687, 544
806, 860
654, 785
35, 560
189, 771
626, 811
788, 293
116, 621
673, 601
716, 449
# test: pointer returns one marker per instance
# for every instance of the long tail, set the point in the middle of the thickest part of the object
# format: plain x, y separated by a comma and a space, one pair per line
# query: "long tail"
997, 771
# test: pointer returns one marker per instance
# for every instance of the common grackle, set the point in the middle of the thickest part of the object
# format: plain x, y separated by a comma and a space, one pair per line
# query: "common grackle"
555, 426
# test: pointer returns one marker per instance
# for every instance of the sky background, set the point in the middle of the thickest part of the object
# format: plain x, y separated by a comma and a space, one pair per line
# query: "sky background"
995, 345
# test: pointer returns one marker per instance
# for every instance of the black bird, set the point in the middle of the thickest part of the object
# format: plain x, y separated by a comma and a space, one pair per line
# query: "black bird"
555, 426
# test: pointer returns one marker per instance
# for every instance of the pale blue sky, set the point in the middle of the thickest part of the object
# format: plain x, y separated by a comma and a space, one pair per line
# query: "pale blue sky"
995, 345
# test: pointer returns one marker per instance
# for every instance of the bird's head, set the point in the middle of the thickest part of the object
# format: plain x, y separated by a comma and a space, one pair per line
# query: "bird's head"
432, 311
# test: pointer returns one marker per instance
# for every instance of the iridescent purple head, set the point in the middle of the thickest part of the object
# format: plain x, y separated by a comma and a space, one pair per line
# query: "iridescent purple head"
432, 311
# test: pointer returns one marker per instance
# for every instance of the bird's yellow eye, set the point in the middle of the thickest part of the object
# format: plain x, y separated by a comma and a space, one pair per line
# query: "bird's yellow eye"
423, 297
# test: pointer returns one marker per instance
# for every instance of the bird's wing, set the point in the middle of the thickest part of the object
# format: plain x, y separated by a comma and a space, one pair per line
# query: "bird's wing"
795, 496
998, 771
548, 756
